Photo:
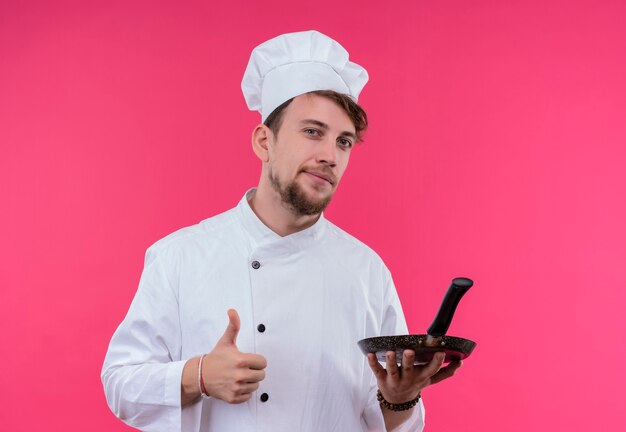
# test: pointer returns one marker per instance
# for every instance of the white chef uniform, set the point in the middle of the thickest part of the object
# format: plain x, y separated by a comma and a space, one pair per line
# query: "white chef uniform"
316, 293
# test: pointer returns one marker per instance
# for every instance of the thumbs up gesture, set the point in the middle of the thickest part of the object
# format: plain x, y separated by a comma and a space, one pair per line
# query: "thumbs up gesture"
229, 374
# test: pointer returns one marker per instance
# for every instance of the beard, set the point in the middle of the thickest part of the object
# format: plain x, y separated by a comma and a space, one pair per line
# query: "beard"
296, 198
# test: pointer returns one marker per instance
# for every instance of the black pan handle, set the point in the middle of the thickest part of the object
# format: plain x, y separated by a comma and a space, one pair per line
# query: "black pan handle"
442, 321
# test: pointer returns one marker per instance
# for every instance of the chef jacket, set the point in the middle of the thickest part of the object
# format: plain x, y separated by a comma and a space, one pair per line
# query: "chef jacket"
304, 301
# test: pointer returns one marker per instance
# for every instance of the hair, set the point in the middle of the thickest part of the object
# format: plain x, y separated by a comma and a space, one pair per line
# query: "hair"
355, 112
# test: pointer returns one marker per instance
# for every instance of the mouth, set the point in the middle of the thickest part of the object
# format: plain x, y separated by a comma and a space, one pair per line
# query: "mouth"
323, 176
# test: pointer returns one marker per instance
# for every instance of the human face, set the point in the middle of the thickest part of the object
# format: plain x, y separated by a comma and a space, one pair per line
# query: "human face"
310, 153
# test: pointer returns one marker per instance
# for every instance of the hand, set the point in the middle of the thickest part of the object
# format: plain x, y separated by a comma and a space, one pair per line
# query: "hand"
229, 374
399, 385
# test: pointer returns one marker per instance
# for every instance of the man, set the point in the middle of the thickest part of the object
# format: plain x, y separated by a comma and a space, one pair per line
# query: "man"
249, 320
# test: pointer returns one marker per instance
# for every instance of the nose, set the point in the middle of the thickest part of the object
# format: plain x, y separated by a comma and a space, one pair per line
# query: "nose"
327, 152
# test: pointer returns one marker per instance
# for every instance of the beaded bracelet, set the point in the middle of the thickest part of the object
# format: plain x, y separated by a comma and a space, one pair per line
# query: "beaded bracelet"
203, 392
397, 407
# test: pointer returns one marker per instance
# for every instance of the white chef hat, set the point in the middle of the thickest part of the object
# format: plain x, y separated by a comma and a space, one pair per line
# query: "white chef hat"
296, 63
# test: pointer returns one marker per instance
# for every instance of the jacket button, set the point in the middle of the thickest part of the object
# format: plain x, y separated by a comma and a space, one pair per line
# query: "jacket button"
256, 264
264, 397
261, 328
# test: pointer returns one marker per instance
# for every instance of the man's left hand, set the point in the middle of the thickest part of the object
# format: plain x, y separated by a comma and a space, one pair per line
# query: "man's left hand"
403, 384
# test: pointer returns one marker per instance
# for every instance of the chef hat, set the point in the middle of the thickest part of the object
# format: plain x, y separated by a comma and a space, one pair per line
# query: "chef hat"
296, 63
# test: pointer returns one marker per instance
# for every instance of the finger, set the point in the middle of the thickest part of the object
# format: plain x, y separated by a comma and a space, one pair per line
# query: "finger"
240, 398
392, 365
446, 372
435, 364
247, 388
230, 335
253, 361
408, 360
379, 371
254, 376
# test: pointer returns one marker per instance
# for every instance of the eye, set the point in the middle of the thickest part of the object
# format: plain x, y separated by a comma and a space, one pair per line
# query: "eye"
345, 143
311, 132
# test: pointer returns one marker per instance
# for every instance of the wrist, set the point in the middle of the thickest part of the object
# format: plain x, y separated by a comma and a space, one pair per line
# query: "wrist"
394, 405
203, 392
189, 382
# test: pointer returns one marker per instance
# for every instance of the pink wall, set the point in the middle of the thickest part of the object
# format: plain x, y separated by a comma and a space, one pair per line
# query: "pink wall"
496, 151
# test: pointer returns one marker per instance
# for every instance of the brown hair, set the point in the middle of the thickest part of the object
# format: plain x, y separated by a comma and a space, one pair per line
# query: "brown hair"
355, 112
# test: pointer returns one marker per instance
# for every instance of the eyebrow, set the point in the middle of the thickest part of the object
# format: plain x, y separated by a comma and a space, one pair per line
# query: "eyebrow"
324, 126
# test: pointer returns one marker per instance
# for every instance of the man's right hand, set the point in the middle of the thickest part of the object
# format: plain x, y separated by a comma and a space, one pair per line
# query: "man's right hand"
229, 374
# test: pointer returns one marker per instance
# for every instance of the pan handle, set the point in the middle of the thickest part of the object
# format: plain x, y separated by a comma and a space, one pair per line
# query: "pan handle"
440, 324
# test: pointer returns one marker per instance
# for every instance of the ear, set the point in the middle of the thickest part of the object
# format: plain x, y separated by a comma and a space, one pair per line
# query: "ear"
262, 137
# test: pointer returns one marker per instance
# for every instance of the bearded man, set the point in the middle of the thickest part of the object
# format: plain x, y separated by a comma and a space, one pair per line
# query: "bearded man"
248, 321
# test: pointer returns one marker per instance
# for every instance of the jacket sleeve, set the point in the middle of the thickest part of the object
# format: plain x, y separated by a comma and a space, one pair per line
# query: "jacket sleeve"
142, 369
393, 323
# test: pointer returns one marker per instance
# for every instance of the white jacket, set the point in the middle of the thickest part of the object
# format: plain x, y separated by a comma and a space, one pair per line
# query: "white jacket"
317, 292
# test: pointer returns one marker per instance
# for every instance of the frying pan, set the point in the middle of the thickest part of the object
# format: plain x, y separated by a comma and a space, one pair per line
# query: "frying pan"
426, 345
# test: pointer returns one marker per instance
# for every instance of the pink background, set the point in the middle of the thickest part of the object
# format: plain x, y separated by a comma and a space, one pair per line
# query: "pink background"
497, 151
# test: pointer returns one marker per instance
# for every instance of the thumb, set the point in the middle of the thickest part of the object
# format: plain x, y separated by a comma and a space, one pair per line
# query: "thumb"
230, 335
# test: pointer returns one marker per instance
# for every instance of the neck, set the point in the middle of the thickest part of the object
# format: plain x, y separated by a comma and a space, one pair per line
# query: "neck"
267, 204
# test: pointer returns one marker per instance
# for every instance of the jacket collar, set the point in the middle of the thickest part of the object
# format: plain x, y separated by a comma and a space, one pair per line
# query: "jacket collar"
262, 237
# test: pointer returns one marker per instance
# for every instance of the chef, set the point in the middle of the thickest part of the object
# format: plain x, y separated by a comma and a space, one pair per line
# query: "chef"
248, 321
